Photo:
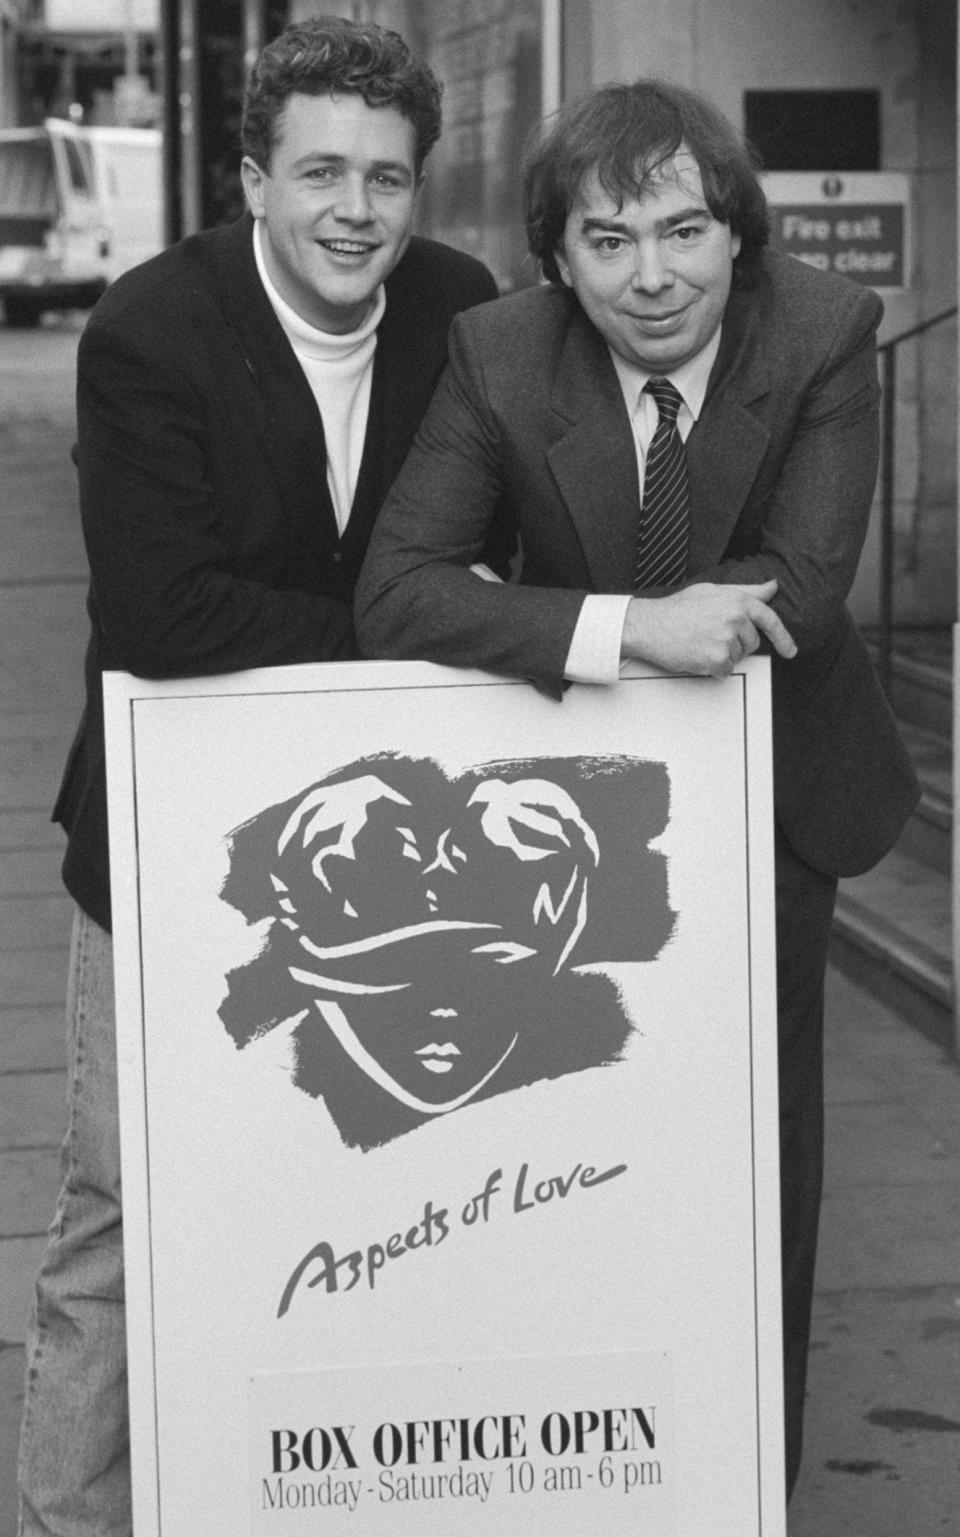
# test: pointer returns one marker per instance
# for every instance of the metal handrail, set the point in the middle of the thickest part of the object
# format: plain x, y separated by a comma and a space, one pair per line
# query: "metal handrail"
922, 325
888, 381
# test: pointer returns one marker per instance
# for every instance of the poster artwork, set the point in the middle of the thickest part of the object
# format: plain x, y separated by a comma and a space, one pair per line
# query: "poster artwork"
428, 931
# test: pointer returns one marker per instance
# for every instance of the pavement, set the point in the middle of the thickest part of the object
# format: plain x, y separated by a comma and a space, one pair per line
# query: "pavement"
882, 1454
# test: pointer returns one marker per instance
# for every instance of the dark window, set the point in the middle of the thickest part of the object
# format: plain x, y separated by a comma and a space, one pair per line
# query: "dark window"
79, 166
28, 184
814, 130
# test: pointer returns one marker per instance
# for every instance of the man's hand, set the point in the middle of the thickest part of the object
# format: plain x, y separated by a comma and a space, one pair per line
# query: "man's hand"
706, 628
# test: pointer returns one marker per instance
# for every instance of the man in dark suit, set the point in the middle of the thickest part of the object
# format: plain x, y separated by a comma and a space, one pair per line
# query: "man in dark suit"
244, 401
755, 448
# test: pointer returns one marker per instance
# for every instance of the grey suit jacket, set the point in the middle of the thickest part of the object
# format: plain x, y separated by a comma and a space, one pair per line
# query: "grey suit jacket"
529, 427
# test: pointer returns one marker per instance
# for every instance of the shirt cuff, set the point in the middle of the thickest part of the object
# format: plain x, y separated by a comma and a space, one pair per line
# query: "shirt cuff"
594, 655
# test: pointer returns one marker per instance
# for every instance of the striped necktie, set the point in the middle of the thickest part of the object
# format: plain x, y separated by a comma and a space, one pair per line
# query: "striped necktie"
665, 523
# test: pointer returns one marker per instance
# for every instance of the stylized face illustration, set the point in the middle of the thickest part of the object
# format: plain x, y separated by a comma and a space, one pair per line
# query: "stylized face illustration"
430, 1008
448, 1028
425, 929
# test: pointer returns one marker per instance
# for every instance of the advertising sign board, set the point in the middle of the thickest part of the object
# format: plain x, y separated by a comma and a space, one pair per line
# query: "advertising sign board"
448, 1103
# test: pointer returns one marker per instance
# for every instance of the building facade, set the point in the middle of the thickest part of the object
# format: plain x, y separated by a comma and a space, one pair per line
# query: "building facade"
850, 93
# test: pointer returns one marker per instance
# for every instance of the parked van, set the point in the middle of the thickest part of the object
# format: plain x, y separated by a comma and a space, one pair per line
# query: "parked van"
54, 236
78, 206
128, 181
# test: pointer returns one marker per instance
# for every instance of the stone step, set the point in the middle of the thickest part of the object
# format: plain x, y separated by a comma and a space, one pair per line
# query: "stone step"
922, 694
897, 921
928, 835
921, 690
899, 916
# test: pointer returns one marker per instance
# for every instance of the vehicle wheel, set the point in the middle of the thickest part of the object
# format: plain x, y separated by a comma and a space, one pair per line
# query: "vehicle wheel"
22, 313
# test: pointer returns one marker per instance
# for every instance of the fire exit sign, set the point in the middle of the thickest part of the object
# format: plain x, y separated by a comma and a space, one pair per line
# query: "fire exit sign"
857, 225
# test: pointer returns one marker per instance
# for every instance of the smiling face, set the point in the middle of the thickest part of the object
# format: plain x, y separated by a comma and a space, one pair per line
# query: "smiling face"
336, 206
652, 273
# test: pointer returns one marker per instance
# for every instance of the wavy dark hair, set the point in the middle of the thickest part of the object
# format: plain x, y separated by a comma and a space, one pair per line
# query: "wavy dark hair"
329, 55
625, 133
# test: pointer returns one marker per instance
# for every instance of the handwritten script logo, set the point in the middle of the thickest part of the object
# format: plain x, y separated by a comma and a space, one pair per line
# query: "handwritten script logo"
321, 1266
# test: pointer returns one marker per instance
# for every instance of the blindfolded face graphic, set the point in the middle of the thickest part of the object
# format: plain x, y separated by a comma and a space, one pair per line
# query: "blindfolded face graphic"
424, 932
424, 944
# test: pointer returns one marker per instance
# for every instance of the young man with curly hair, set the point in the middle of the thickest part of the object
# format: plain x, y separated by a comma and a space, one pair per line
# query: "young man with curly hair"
244, 401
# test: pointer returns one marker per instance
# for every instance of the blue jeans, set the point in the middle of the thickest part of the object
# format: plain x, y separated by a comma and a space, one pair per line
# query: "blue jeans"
74, 1468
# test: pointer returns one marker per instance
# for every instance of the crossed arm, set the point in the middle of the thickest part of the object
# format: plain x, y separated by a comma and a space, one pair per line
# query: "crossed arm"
418, 598
706, 628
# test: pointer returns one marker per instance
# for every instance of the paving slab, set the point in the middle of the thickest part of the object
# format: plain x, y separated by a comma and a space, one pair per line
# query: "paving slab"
11, 1397
32, 755
34, 922
29, 1186
42, 628
30, 829
33, 978
56, 548
44, 637
33, 1110
33, 1039
884, 1141
908, 1235
19, 1263
30, 872
882, 1446
882, 1450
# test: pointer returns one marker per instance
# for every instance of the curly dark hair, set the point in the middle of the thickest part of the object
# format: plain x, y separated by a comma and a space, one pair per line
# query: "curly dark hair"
329, 55
626, 133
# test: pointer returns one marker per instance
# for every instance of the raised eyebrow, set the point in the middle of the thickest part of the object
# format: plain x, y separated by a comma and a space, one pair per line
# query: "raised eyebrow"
696, 211
608, 226
317, 157
594, 225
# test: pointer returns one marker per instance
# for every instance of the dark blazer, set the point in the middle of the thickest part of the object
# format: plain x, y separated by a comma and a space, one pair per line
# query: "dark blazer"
530, 419
212, 540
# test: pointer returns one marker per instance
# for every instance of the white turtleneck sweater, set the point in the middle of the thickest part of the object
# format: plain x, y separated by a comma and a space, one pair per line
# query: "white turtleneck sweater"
339, 370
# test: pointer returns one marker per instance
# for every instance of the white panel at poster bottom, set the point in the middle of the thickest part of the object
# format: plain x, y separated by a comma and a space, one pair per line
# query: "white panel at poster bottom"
582, 1444
447, 1055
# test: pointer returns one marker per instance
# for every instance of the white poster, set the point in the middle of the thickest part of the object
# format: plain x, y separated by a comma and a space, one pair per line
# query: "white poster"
448, 1102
